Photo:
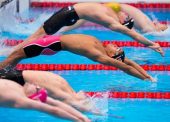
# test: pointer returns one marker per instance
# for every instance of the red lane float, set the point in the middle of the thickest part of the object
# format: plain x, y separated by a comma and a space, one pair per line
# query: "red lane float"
54, 67
63, 4
119, 43
134, 95
10, 42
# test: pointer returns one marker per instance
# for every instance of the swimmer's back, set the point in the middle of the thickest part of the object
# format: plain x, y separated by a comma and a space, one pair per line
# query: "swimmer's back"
78, 38
79, 43
89, 8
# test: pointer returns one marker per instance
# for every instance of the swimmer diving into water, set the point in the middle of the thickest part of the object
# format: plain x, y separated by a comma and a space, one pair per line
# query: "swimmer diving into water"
102, 14
141, 21
13, 95
136, 19
84, 45
55, 85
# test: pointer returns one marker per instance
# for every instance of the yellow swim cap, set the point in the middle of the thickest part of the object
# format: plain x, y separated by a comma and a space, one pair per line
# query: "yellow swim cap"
114, 6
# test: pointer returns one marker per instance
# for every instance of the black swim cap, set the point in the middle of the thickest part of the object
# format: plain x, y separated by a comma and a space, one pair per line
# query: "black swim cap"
129, 23
120, 56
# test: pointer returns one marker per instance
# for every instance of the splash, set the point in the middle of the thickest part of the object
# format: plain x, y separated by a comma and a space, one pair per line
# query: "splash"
156, 77
11, 21
165, 33
28, 28
100, 105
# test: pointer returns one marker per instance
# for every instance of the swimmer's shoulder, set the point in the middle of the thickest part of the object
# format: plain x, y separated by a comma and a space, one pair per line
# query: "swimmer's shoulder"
88, 4
76, 36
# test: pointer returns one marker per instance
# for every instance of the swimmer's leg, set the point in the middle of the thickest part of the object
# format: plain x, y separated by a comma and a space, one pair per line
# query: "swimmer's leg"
58, 20
13, 59
32, 50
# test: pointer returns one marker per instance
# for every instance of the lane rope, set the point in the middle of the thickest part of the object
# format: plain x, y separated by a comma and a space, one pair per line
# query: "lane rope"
59, 67
120, 43
131, 95
63, 4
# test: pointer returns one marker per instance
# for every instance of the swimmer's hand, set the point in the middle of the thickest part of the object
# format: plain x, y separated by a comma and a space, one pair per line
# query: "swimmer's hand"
150, 78
157, 48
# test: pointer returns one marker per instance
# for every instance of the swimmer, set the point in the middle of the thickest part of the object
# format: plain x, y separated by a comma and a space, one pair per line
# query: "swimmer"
56, 86
145, 24
13, 95
103, 14
130, 19
84, 45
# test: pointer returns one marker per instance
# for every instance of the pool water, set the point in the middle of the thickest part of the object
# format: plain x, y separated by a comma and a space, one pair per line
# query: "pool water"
129, 110
132, 110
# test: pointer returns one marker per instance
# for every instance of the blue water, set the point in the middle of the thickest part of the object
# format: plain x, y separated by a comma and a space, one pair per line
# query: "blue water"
114, 81
132, 110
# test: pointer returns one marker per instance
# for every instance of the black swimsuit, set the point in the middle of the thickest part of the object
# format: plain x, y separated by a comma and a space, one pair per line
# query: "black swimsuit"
67, 16
14, 75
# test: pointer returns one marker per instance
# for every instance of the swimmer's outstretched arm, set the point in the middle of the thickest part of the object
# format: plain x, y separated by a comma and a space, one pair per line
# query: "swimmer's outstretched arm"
67, 108
132, 33
136, 36
138, 68
55, 111
106, 60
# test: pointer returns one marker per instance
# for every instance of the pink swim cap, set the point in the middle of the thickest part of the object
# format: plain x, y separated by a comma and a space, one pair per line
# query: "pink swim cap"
40, 95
